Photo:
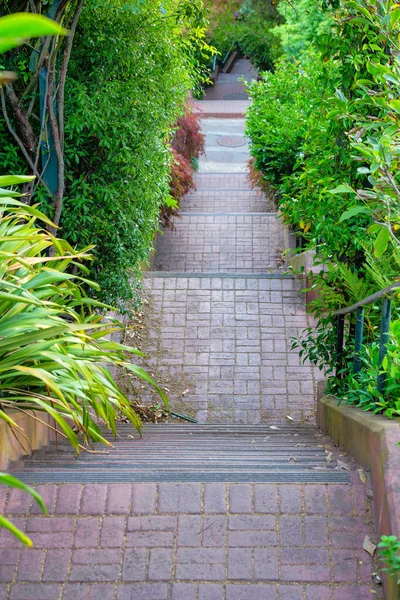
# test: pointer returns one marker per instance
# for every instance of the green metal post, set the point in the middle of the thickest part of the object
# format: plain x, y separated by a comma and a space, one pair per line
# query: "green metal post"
358, 339
339, 344
384, 338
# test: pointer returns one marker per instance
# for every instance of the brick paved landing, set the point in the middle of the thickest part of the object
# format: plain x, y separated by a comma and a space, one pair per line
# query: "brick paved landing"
190, 542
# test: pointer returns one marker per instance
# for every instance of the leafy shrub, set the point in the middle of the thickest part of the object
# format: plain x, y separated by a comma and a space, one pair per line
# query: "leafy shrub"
188, 139
278, 118
248, 28
130, 70
305, 23
181, 176
389, 551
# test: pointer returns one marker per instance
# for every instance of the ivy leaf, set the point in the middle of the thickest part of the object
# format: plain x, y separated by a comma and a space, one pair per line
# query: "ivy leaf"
353, 211
381, 242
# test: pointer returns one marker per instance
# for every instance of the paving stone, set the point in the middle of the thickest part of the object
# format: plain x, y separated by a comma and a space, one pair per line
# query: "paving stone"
93, 499
134, 564
148, 591
48, 494
76, 591
318, 592
215, 498
30, 565
21, 591
210, 591
112, 532
265, 498
290, 592
144, 498
103, 592
56, 565
251, 592
87, 532
184, 591
240, 564
179, 498
160, 564
68, 499
119, 499
240, 498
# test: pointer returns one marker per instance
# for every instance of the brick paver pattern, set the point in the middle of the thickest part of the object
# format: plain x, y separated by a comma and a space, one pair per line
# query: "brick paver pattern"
227, 339
182, 541
222, 243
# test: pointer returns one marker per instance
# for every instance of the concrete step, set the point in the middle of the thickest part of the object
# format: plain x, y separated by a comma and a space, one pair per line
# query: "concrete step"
197, 453
247, 243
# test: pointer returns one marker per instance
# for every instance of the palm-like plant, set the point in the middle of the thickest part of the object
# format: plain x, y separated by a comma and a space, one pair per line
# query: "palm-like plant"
53, 349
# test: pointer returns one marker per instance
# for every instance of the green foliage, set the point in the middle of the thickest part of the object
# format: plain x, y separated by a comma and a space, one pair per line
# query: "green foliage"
338, 176
305, 22
248, 29
278, 119
130, 70
53, 348
389, 551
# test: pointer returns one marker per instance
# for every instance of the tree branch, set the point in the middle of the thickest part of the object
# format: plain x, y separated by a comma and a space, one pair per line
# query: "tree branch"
15, 136
27, 133
63, 71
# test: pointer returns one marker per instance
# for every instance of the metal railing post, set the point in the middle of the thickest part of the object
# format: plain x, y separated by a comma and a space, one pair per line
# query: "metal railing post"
358, 339
383, 339
339, 344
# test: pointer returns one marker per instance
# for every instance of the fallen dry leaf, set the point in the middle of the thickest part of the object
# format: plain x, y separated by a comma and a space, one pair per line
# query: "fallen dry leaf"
362, 476
369, 546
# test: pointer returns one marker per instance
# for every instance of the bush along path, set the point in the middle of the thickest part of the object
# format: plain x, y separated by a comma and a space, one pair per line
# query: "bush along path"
249, 503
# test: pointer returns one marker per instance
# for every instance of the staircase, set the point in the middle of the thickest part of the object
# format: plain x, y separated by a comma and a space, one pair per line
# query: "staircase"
193, 453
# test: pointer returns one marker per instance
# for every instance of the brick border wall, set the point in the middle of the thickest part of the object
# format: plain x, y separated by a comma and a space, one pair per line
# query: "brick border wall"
374, 442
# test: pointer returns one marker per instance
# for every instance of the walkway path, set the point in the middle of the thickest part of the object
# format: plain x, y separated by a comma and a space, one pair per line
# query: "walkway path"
221, 317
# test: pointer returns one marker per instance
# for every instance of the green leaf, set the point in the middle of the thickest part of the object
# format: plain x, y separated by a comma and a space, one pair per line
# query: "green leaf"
381, 242
342, 189
15, 179
12, 481
395, 104
17, 27
353, 211
24, 539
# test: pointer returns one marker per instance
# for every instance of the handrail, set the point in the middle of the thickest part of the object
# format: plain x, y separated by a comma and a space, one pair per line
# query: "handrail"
377, 296
340, 315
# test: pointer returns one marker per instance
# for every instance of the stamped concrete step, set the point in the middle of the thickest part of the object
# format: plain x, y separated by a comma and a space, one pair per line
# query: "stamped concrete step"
239, 243
196, 453
222, 181
233, 201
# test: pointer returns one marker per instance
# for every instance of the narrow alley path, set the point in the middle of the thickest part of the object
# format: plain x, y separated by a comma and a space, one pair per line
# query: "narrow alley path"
244, 505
